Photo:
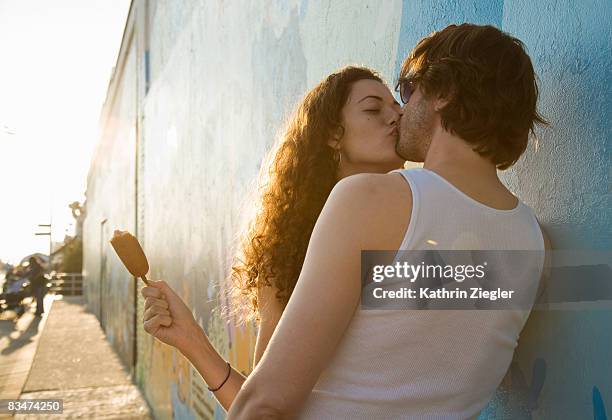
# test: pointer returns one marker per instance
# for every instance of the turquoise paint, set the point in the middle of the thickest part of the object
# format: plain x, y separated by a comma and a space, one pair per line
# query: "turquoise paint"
599, 409
570, 48
180, 410
422, 17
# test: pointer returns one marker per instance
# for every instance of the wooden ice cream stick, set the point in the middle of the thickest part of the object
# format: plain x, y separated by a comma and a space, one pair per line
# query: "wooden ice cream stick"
144, 278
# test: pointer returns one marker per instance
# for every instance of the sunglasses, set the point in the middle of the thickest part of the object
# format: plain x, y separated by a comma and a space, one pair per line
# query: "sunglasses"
406, 87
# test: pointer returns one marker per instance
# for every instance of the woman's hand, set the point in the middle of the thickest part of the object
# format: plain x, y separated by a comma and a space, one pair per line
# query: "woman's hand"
167, 318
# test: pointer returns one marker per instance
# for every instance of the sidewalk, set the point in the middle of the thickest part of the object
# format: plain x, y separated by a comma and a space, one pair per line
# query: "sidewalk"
74, 361
18, 342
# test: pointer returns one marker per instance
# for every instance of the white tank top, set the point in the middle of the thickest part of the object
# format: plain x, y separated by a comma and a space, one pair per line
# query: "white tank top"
430, 364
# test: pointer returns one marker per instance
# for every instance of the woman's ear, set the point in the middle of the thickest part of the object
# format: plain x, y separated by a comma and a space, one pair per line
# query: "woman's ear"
334, 141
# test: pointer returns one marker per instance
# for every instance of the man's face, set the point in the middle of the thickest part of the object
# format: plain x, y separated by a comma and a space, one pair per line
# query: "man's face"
416, 127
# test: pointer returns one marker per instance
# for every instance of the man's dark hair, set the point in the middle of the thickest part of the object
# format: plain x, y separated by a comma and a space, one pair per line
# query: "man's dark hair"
488, 80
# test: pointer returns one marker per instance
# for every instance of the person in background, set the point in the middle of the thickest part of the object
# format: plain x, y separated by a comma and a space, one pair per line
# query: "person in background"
36, 274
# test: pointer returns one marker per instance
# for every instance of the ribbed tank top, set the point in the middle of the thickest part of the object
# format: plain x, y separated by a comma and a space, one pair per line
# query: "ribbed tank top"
430, 364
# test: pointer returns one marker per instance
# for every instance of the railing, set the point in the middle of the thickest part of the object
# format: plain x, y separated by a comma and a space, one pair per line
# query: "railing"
67, 284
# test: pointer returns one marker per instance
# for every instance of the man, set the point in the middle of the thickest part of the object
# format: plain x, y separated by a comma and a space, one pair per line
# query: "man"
37, 282
470, 103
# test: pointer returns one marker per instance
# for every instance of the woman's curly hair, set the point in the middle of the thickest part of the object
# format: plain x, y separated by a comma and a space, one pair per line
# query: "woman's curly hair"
302, 173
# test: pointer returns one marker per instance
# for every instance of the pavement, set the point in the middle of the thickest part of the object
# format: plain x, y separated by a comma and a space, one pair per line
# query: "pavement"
65, 355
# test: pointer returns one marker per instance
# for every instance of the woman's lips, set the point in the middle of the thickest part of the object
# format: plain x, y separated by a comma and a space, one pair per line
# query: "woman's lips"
394, 133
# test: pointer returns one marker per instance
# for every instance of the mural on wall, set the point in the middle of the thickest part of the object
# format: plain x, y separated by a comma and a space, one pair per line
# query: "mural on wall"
194, 122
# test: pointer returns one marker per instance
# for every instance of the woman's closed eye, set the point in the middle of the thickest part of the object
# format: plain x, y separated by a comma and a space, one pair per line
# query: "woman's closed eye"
372, 111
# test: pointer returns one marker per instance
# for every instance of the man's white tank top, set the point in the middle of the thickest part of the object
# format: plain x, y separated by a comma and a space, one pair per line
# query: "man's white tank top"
430, 364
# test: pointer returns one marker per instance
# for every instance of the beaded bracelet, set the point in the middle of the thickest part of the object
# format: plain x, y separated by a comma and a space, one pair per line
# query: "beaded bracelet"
229, 371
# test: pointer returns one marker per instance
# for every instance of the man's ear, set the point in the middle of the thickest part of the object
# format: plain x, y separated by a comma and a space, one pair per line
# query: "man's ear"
440, 103
442, 100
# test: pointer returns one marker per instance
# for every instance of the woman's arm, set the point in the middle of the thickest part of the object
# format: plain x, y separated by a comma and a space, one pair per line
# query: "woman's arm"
213, 369
207, 360
168, 319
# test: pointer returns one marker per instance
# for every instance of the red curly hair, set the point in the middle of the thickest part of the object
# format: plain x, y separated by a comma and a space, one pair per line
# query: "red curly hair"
302, 173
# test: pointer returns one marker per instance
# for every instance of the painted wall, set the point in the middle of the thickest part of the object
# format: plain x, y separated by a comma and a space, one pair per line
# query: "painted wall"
108, 287
206, 88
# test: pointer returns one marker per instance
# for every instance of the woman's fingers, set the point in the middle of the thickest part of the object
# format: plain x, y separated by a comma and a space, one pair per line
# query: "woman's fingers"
149, 291
152, 325
154, 310
154, 301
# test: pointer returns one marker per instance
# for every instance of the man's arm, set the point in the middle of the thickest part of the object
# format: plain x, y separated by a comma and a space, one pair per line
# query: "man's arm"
546, 270
362, 212
270, 311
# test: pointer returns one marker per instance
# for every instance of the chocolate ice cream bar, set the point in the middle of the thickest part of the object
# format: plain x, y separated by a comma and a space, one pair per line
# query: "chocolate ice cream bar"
131, 254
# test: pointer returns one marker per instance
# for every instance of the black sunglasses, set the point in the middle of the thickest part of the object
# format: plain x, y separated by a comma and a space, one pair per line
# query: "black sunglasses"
406, 87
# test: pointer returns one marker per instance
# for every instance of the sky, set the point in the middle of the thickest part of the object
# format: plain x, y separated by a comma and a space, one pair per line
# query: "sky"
56, 60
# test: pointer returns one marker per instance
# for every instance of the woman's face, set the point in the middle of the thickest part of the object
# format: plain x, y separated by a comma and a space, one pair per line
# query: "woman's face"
370, 118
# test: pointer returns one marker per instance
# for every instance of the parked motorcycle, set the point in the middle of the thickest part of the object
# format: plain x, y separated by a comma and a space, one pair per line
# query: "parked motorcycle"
15, 289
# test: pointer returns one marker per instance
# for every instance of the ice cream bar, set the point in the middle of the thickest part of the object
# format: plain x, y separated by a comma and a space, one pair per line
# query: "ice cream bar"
131, 254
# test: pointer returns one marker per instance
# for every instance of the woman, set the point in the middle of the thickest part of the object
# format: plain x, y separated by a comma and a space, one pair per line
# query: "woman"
347, 124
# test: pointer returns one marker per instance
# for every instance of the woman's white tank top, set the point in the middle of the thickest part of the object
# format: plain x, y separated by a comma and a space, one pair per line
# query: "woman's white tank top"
430, 364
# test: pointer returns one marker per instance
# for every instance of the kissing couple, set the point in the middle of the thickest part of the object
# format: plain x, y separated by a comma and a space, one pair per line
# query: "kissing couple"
336, 186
